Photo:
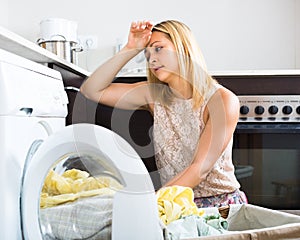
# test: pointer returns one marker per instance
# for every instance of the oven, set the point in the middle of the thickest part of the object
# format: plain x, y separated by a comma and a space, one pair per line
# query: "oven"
266, 150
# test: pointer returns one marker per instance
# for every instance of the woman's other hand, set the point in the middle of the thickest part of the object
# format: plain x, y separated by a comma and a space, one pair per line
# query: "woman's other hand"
139, 35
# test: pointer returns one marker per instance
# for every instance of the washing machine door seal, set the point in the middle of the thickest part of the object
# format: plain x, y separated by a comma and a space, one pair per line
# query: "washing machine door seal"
123, 160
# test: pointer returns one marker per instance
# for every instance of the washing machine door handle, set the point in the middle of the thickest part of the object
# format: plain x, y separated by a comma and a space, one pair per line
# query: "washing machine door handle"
32, 150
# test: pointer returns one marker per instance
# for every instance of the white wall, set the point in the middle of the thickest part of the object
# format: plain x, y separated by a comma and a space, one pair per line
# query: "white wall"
297, 32
4, 13
233, 34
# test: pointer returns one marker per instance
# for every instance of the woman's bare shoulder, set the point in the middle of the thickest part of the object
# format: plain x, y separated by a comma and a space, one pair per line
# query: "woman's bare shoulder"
226, 101
228, 96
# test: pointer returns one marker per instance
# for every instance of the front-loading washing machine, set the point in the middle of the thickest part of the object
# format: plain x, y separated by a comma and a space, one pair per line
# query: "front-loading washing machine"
35, 143
33, 105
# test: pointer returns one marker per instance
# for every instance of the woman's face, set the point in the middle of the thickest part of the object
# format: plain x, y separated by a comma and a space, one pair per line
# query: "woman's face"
162, 58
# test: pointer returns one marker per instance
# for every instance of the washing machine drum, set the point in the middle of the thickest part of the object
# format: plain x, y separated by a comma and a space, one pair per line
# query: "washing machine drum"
86, 182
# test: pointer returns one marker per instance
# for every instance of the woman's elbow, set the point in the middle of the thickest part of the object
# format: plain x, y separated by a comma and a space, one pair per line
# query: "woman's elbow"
83, 91
86, 92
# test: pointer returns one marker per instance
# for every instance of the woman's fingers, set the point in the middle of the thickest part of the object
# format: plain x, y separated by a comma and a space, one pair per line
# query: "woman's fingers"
149, 25
141, 25
139, 35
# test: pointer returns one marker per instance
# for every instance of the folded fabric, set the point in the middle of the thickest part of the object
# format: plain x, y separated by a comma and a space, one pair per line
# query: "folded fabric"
217, 222
195, 226
175, 202
86, 218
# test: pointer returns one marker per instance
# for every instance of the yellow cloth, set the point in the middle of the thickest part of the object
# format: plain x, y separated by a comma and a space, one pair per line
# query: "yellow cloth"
74, 184
175, 202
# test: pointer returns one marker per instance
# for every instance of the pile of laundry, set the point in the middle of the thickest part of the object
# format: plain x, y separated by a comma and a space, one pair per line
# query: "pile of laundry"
76, 205
181, 218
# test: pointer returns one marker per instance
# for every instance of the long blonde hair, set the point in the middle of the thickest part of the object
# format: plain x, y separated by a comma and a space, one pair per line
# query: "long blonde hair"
192, 65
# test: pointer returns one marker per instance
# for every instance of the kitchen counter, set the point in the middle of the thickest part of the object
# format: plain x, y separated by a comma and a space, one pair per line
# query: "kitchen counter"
18, 45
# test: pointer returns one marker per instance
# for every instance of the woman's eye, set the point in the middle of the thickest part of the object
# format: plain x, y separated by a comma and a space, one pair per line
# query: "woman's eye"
151, 50
157, 49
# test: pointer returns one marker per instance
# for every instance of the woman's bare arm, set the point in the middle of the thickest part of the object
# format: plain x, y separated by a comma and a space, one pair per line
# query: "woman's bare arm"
99, 87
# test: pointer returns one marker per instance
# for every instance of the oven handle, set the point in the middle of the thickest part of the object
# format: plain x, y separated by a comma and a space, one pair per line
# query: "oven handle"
268, 128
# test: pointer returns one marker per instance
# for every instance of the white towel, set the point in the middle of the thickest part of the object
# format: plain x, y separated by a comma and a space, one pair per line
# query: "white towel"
87, 218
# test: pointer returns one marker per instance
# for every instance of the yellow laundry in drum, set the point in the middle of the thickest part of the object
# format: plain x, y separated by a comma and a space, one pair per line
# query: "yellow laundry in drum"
175, 202
74, 184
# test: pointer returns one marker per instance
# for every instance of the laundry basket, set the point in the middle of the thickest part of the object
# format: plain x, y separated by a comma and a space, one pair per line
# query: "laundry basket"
247, 221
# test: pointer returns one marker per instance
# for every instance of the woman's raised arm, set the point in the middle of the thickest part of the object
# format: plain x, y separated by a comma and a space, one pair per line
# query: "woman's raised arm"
99, 88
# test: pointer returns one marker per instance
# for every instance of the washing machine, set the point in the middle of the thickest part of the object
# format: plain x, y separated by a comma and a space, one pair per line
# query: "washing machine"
38, 152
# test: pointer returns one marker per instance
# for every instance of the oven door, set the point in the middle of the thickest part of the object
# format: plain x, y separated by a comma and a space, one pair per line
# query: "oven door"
272, 151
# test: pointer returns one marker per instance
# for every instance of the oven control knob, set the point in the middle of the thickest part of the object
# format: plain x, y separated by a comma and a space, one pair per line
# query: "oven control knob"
273, 109
287, 109
298, 109
244, 110
259, 110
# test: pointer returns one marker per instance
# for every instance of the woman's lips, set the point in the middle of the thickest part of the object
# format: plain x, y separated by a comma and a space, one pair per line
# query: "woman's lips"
155, 69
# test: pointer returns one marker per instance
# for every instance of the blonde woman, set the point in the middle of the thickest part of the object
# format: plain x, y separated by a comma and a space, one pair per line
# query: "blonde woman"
194, 116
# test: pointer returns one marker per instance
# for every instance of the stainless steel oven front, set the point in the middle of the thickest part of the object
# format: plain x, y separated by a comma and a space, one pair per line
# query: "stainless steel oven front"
266, 150
270, 144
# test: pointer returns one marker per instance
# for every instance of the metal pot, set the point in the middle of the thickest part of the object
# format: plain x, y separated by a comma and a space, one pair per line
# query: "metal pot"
64, 49
52, 27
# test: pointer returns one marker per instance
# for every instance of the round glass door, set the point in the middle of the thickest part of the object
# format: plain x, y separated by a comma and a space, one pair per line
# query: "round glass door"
76, 200
80, 183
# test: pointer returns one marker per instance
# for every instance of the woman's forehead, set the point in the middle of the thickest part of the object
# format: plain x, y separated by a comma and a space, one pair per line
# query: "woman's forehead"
157, 37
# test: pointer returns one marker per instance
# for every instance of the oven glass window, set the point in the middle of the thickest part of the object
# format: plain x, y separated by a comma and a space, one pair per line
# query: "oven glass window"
271, 165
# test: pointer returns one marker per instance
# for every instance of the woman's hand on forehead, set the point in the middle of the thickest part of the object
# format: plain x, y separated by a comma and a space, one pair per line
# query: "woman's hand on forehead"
140, 34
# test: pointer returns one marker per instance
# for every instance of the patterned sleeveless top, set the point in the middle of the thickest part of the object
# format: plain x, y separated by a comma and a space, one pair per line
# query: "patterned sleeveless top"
176, 131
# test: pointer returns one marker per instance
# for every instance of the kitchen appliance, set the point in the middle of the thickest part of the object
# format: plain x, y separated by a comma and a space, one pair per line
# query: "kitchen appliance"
60, 37
34, 141
102, 152
64, 49
33, 106
55, 28
266, 140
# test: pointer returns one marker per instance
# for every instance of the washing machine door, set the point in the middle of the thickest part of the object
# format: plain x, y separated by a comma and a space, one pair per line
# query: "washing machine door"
86, 182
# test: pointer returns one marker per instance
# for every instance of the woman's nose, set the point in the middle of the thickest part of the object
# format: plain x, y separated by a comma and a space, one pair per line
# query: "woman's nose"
152, 58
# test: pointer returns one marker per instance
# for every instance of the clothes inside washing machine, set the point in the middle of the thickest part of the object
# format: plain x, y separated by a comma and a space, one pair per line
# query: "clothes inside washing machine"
77, 198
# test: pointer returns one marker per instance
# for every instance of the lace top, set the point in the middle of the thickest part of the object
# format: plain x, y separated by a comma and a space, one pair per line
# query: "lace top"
176, 132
